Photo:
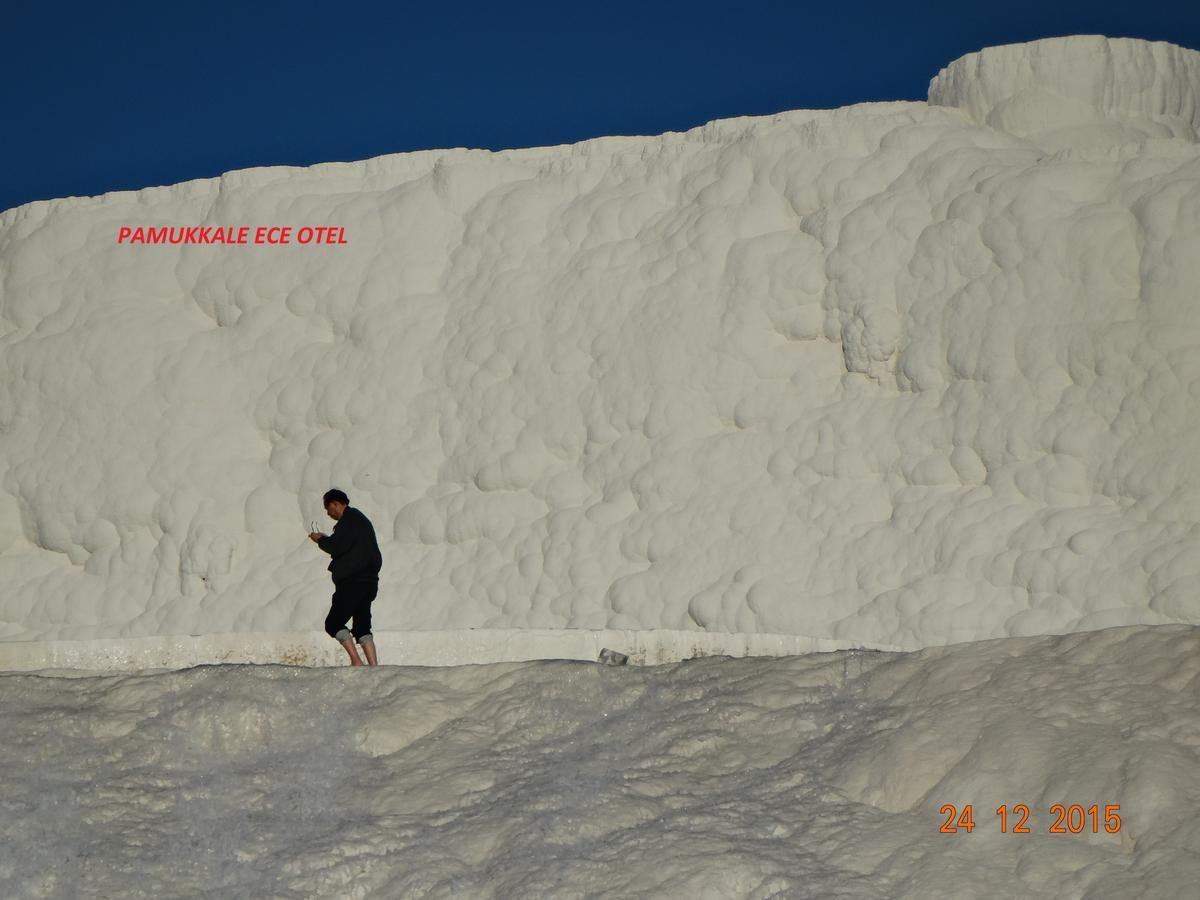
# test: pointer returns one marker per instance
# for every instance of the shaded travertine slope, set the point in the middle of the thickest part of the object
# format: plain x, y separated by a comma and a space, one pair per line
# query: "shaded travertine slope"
815, 776
900, 373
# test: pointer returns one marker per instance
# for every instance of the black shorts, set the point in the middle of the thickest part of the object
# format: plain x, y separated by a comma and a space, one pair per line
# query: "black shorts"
352, 600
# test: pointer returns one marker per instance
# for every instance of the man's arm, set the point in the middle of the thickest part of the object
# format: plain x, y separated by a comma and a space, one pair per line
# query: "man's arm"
340, 541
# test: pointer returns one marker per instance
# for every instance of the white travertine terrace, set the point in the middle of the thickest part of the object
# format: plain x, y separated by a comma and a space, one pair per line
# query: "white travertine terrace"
823, 775
899, 374
1062, 89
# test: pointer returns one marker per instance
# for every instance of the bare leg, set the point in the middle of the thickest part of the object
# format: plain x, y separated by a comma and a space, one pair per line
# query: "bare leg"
369, 649
349, 645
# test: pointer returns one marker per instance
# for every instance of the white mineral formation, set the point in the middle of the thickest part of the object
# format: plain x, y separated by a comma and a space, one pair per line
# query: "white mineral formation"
823, 776
1078, 91
899, 374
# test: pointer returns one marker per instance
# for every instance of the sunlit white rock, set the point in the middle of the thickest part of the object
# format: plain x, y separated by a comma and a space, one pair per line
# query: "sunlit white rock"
898, 374
820, 776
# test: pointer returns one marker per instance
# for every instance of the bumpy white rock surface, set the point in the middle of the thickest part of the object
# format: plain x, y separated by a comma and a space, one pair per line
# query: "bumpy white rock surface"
900, 373
817, 776
1060, 90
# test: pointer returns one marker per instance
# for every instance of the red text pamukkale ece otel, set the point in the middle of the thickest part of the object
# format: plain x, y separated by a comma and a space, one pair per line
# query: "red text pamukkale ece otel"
213, 234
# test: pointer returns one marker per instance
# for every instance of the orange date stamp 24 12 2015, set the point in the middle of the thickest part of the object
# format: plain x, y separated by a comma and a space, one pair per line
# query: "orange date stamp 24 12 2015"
1068, 819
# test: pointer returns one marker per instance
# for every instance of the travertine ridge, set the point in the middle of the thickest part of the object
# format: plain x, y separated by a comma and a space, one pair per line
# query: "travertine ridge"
900, 373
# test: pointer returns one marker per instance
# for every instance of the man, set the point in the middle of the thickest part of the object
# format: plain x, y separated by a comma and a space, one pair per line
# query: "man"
355, 569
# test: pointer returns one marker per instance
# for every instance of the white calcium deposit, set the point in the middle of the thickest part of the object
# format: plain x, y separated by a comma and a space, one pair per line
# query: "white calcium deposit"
899, 374
822, 776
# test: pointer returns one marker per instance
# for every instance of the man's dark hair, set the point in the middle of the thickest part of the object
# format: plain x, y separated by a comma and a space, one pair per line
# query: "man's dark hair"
337, 495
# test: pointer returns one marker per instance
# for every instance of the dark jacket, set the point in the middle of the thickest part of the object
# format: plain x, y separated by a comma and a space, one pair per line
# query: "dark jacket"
353, 547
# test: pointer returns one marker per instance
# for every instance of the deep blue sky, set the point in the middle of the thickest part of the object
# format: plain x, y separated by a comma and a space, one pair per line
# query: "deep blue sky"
109, 96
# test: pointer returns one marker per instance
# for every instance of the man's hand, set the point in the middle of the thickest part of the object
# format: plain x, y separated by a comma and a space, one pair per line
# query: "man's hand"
315, 536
